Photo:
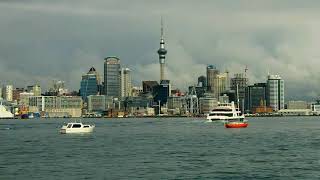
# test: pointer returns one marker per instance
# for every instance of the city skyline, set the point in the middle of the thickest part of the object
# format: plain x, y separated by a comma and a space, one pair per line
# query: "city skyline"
264, 36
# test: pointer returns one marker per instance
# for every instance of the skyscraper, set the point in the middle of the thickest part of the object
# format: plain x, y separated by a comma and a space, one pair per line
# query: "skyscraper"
212, 73
162, 55
256, 95
89, 84
112, 77
275, 92
220, 84
239, 83
126, 85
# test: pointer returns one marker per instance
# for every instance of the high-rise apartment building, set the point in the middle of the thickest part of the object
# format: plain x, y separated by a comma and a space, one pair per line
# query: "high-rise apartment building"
275, 92
126, 82
212, 73
112, 84
8, 92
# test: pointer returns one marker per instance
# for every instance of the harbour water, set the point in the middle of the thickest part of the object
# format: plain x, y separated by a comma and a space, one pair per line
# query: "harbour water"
166, 148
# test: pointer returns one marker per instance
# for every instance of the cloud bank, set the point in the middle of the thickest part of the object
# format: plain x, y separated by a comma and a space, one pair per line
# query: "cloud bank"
45, 40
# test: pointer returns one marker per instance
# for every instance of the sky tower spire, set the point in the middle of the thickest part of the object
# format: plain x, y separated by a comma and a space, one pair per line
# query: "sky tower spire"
161, 28
162, 53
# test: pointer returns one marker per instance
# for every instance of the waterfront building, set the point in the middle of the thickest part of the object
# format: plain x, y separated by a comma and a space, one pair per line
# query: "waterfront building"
148, 86
206, 104
212, 73
262, 109
162, 54
56, 106
89, 84
112, 84
297, 105
255, 95
176, 102
24, 98
295, 112
275, 92
99, 103
131, 104
175, 105
126, 82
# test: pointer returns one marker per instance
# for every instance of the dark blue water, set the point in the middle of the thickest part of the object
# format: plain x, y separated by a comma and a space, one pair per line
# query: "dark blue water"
183, 148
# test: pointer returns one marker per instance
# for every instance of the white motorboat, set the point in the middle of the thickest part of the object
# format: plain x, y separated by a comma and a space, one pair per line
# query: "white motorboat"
225, 112
76, 127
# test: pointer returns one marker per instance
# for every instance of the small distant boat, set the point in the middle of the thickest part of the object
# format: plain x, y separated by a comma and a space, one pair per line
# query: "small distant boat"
76, 127
24, 116
236, 124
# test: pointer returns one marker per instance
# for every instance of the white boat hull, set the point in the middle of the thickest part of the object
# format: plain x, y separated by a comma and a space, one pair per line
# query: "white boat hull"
83, 129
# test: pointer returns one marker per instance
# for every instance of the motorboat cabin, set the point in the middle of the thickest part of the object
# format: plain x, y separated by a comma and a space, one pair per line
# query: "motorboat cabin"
76, 127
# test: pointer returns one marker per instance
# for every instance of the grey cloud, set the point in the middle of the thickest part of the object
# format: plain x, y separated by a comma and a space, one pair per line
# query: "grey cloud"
44, 40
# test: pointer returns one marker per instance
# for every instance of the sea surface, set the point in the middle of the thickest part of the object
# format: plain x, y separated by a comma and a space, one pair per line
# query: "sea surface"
165, 148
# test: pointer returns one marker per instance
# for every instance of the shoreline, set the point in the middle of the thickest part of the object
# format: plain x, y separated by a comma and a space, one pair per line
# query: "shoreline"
155, 117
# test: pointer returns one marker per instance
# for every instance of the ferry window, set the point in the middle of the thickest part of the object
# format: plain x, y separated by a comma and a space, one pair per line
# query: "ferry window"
85, 126
69, 126
76, 126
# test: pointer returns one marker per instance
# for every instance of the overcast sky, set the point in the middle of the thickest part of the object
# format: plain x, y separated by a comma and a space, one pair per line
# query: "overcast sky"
42, 40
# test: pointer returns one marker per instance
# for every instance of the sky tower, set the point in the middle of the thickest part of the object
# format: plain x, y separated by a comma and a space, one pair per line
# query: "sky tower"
162, 54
